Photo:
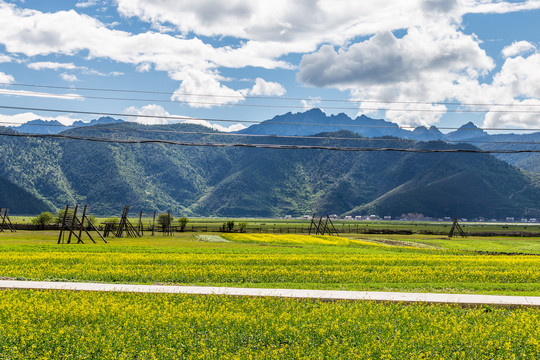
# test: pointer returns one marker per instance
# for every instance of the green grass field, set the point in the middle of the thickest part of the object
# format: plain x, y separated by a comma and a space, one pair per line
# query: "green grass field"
342, 226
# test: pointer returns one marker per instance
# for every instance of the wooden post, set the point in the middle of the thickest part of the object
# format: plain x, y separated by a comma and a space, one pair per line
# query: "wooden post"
63, 224
82, 223
154, 225
140, 227
73, 223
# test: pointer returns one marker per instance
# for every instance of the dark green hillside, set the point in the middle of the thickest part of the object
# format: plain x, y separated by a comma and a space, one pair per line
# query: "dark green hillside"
240, 181
18, 200
34, 165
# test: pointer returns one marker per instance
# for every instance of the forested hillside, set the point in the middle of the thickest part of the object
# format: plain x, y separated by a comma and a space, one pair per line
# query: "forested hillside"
246, 181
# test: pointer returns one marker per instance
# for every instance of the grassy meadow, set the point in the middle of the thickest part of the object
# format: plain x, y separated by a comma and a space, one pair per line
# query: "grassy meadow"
81, 325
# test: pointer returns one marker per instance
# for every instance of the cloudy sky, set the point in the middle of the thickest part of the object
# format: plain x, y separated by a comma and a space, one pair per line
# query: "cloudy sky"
414, 62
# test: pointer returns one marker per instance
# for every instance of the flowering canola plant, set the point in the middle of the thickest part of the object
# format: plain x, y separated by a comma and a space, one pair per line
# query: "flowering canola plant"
92, 325
280, 261
290, 239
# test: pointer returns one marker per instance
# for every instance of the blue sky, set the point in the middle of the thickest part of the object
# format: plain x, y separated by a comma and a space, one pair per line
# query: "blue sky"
402, 60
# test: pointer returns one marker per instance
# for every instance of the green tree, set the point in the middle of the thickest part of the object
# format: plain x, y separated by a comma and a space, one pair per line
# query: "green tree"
165, 220
112, 220
59, 216
90, 218
242, 227
43, 219
227, 226
183, 222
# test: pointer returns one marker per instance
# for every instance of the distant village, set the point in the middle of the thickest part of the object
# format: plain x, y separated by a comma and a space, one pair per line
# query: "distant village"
417, 217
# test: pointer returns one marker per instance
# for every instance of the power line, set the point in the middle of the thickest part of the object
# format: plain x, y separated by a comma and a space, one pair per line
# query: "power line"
281, 136
82, 97
281, 98
184, 118
268, 146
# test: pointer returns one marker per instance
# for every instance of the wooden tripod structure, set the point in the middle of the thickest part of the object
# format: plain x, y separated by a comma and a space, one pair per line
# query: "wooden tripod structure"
125, 225
322, 227
456, 227
71, 223
6, 223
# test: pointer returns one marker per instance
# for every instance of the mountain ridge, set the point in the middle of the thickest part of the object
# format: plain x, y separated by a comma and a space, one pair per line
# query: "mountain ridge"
247, 181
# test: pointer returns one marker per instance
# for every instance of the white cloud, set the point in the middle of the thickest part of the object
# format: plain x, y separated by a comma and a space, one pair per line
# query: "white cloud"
519, 77
33, 33
19, 119
385, 59
221, 128
51, 65
498, 7
267, 88
311, 103
434, 61
518, 48
40, 94
197, 84
424, 64
5, 58
517, 119
285, 21
84, 4
151, 110
146, 115
99, 73
69, 77
6, 78
146, 67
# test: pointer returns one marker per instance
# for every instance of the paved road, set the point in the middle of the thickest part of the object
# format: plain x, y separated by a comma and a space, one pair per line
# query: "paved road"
463, 299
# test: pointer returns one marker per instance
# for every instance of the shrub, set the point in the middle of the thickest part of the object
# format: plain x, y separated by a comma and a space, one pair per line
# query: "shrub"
183, 222
112, 220
227, 226
242, 227
43, 219
165, 220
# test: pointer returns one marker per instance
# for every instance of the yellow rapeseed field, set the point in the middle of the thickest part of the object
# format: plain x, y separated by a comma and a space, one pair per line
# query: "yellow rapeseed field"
282, 261
79, 325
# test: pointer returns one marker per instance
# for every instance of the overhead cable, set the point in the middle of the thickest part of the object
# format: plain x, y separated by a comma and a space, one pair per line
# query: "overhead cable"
209, 103
267, 146
281, 98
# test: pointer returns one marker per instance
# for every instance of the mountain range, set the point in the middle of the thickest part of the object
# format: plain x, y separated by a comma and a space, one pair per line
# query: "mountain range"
315, 121
248, 181
39, 126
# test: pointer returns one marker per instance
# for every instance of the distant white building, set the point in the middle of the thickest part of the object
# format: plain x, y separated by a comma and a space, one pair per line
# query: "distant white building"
523, 220
387, 218
358, 217
288, 217
533, 220
348, 217
510, 219
333, 217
